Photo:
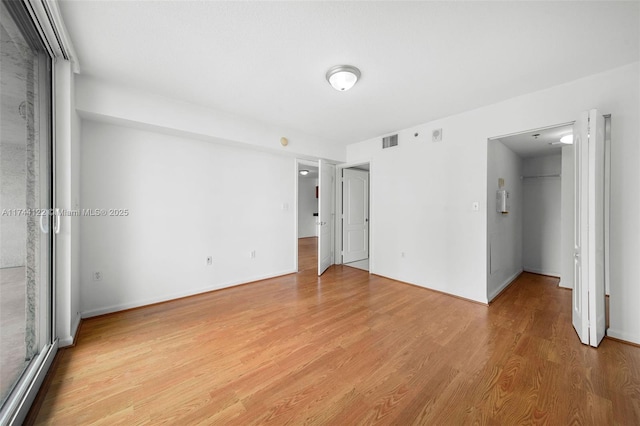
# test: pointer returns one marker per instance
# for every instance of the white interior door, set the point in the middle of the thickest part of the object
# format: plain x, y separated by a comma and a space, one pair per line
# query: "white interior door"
588, 315
580, 314
596, 229
326, 210
355, 215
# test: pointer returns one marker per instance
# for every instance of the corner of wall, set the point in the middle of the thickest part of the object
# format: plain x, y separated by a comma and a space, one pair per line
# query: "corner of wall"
622, 335
503, 286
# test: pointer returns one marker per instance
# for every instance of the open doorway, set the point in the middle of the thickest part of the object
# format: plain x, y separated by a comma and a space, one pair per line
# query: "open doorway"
530, 206
533, 206
307, 215
316, 183
354, 224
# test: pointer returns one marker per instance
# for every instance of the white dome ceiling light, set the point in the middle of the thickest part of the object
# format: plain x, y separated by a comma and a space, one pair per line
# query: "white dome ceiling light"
343, 77
567, 139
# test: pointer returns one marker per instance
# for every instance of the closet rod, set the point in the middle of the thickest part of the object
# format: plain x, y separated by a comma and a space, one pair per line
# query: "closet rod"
539, 176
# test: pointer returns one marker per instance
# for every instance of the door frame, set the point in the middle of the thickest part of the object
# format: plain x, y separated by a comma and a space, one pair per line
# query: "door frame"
355, 176
338, 224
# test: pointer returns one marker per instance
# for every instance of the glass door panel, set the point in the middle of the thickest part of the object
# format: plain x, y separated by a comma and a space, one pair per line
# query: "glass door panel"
25, 200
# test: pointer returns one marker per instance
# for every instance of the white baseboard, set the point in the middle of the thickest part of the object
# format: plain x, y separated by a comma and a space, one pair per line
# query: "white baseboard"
561, 284
65, 341
627, 337
504, 285
432, 287
542, 272
74, 327
177, 295
68, 340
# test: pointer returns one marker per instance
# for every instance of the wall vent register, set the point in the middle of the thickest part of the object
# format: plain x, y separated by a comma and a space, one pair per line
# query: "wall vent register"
389, 141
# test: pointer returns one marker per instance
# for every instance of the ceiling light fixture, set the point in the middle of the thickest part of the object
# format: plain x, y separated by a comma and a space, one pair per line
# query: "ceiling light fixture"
304, 172
567, 139
343, 77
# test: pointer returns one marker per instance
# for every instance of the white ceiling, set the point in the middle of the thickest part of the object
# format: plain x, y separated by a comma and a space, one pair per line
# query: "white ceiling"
537, 143
420, 61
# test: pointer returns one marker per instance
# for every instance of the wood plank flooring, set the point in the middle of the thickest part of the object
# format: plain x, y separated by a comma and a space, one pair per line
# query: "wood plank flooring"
346, 348
307, 253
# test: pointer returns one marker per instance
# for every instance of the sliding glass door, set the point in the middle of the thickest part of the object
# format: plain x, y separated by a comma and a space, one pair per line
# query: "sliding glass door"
26, 201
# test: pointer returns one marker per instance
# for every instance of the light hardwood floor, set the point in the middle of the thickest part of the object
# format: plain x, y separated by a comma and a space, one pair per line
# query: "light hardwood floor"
346, 348
307, 254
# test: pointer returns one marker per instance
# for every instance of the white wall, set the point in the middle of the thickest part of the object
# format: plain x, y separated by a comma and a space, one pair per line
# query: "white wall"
307, 206
99, 100
422, 192
201, 150
187, 199
541, 217
504, 230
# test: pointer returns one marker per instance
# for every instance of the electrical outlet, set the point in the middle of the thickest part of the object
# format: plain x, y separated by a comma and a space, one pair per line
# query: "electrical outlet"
252, 255
97, 276
209, 260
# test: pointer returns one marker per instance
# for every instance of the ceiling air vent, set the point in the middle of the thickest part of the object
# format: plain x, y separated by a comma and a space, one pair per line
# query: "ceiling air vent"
389, 141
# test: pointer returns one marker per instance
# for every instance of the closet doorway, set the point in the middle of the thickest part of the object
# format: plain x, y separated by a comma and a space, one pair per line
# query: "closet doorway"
544, 186
530, 206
